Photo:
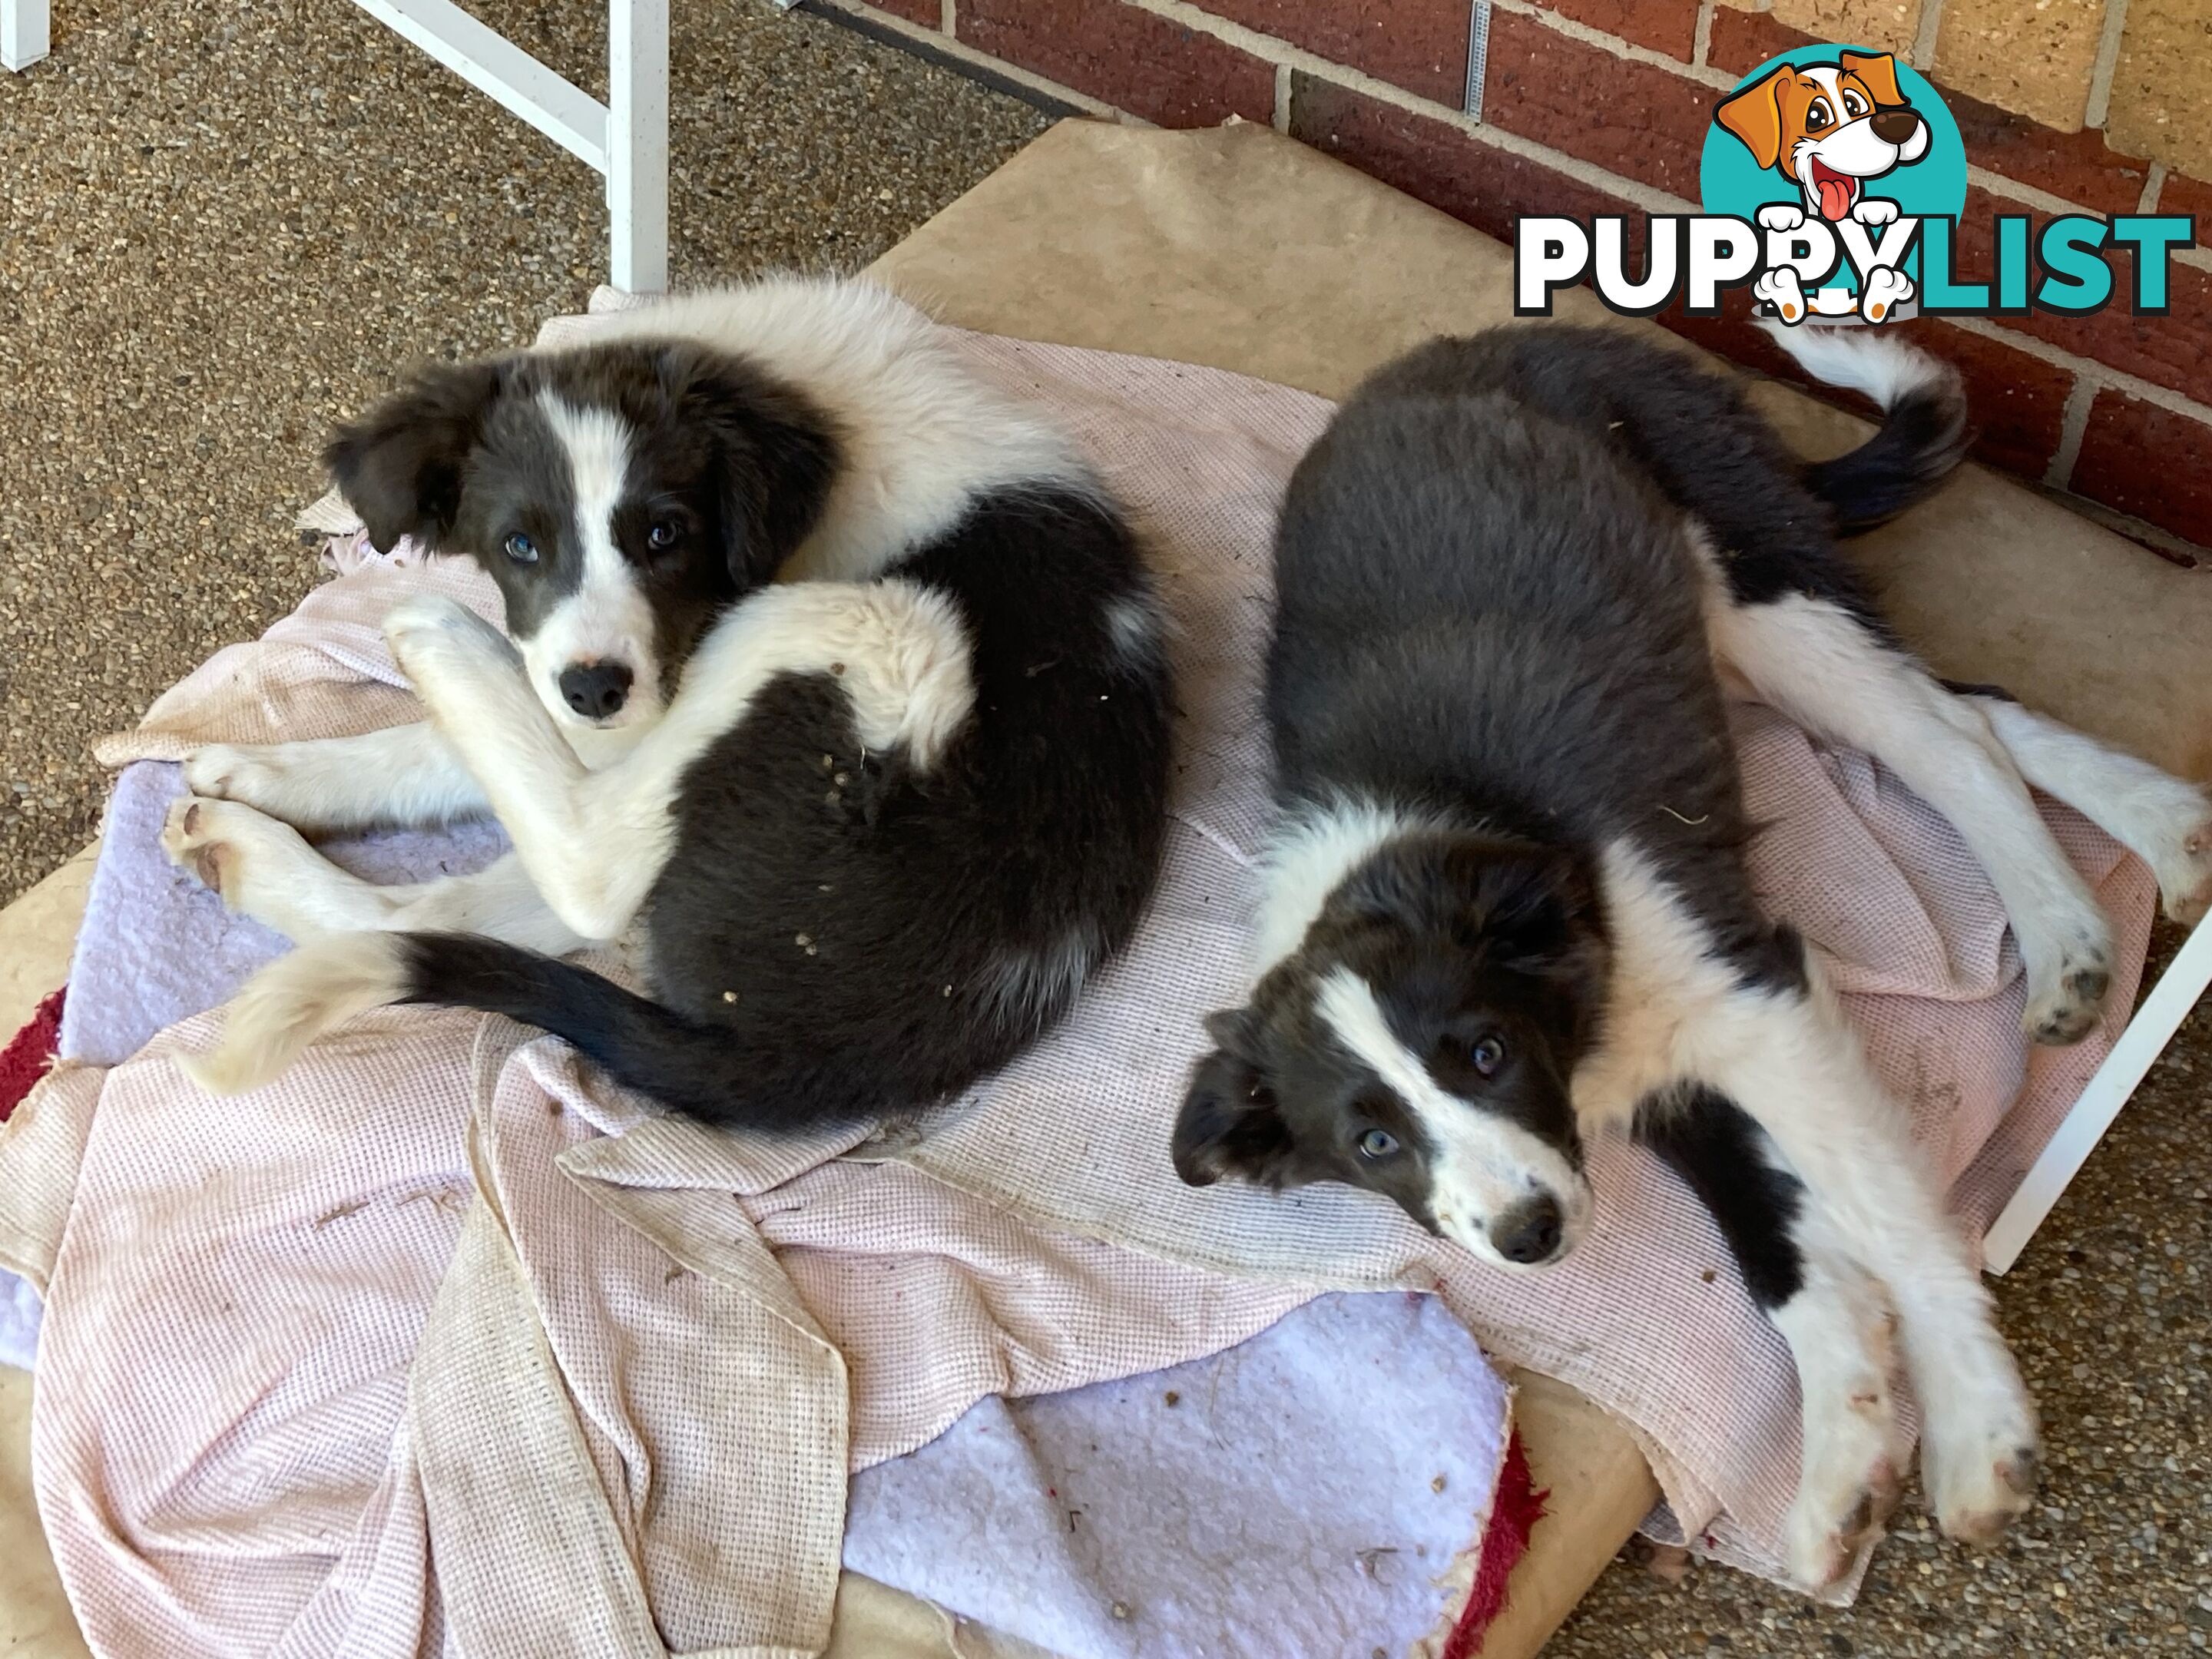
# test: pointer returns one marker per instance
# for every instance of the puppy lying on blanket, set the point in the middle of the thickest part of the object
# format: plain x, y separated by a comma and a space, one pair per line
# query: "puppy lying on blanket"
833, 665
1508, 906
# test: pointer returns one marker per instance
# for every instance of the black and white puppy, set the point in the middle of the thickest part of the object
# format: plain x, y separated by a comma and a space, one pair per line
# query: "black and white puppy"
835, 669
1508, 905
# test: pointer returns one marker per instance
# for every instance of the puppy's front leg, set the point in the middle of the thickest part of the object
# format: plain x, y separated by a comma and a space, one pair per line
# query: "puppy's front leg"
1796, 1067
1828, 1309
403, 775
591, 858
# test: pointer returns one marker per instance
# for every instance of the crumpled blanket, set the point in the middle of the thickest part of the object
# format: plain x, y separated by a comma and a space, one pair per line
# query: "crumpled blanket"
487, 1351
1329, 1440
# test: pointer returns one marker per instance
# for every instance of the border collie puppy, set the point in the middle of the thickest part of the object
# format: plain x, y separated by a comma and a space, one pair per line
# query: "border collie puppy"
1508, 905
834, 669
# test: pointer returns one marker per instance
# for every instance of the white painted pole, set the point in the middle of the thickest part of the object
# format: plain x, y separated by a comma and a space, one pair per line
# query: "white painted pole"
24, 33
2106, 1092
637, 144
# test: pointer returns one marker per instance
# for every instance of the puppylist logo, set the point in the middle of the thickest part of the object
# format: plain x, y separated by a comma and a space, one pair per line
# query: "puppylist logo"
1832, 182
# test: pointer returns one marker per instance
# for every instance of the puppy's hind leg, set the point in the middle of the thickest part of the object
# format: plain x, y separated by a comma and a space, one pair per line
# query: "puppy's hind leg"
1825, 668
1832, 1314
2163, 821
263, 869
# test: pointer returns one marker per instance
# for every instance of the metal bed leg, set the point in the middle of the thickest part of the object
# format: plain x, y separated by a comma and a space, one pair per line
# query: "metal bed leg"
24, 33
637, 144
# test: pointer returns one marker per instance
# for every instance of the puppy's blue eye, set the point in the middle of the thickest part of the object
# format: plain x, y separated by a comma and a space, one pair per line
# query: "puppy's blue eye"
1378, 1143
521, 549
1487, 1056
662, 537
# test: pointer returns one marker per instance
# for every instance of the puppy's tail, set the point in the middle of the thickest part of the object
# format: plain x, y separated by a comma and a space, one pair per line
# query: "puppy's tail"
715, 1074
1923, 430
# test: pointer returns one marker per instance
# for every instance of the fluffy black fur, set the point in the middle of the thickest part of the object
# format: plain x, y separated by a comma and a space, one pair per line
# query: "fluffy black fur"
1712, 1144
836, 934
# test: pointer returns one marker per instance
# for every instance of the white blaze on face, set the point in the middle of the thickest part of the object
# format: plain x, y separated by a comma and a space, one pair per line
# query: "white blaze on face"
1482, 1166
607, 618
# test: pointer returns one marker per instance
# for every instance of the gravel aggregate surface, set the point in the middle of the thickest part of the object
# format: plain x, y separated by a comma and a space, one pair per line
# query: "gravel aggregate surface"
226, 225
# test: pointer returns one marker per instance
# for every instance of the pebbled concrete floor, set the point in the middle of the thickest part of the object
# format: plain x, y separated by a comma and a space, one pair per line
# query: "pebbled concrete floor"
226, 224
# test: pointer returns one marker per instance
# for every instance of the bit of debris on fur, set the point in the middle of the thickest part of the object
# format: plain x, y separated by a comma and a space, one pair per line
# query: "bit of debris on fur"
729, 996
829, 762
1173, 1398
1679, 818
948, 990
802, 939
1120, 1609
824, 888
841, 779
1437, 1485
836, 667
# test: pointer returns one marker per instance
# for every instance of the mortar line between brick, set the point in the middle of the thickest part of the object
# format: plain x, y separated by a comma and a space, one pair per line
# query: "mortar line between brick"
1701, 39
1614, 45
2108, 59
1282, 113
2027, 195
2073, 422
1923, 39
2102, 375
931, 43
948, 19
2154, 181
1273, 51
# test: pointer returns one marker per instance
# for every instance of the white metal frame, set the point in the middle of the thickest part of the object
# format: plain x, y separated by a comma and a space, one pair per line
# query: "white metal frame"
2101, 1100
625, 139
23, 33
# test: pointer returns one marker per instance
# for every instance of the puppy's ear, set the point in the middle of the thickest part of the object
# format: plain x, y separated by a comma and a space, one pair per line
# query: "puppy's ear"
1537, 908
776, 450
399, 466
1878, 70
1230, 1124
1754, 116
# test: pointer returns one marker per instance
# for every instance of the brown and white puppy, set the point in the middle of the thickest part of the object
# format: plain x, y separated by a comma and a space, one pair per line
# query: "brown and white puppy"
1829, 128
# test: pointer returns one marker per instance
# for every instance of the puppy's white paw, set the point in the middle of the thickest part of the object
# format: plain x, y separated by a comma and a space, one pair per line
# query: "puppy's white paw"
1853, 1476
1780, 288
1885, 291
1874, 210
2067, 979
435, 639
258, 866
253, 774
1780, 215
1981, 1476
2184, 864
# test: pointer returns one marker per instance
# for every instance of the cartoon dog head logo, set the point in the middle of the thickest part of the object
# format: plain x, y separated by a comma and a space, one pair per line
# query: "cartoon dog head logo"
1828, 128
1838, 156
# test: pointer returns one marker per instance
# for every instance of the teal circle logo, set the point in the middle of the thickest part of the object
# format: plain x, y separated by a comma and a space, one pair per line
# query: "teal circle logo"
1842, 137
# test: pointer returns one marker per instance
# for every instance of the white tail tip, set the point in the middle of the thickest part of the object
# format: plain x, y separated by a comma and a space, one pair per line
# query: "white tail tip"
1863, 360
294, 1000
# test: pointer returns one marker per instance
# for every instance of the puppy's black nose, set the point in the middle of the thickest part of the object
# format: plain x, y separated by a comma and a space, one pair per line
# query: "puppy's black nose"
1896, 124
1529, 1233
595, 689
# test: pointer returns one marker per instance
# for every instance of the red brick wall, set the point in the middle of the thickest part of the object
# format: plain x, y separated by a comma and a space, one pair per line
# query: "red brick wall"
1601, 106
